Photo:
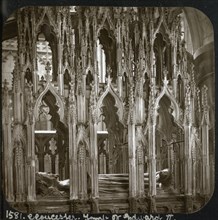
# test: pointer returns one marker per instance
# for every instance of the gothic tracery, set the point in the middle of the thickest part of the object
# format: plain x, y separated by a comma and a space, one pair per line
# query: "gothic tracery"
119, 99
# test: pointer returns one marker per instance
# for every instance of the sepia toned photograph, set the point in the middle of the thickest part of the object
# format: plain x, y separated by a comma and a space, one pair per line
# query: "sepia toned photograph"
108, 110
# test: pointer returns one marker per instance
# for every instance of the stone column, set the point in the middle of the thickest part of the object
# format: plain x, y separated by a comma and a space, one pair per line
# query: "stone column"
152, 160
72, 145
187, 151
140, 171
95, 52
151, 141
152, 116
94, 159
120, 85
34, 52
94, 148
172, 163
81, 114
30, 151
81, 95
174, 65
7, 143
18, 138
119, 58
205, 143
81, 132
60, 75
93, 142
194, 172
82, 172
188, 160
132, 146
83, 98
61, 83
139, 146
132, 160
18, 142
31, 187
35, 81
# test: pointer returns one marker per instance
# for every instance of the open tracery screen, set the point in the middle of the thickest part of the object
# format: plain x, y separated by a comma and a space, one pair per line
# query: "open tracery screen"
108, 109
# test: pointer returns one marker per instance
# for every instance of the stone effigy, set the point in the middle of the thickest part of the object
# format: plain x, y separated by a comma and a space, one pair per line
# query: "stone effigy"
47, 184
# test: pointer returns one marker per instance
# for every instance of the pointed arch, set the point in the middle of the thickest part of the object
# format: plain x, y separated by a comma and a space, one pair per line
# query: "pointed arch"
49, 87
40, 20
89, 69
66, 67
176, 109
164, 27
118, 102
106, 19
45, 15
